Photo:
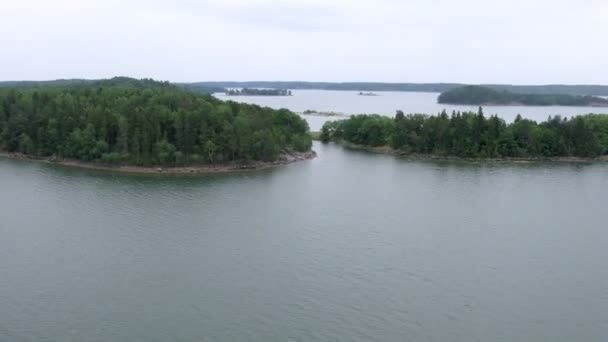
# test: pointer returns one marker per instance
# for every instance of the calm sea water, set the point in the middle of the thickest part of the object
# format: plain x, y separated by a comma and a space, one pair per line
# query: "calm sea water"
387, 103
347, 247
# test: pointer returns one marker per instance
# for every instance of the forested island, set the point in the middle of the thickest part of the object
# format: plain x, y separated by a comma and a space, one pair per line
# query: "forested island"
477, 95
323, 113
257, 92
145, 123
473, 135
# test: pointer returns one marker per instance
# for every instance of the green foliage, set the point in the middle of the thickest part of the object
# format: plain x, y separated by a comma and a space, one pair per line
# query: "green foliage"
372, 130
126, 121
475, 136
116, 158
165, 152
477, 95
26, 145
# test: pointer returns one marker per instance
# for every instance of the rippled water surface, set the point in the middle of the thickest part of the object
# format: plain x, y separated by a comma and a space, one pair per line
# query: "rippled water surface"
347, 247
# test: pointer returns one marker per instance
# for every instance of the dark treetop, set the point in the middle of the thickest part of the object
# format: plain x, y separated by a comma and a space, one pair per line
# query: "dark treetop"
476, 95
472, 135
126, 121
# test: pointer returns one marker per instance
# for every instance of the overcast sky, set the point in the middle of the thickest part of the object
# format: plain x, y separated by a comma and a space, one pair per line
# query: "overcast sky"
471, 41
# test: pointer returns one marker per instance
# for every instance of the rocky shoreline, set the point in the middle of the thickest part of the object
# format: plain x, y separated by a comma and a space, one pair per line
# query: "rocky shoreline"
284, 159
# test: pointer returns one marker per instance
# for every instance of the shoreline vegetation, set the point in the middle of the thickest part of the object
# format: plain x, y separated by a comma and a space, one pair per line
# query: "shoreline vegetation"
477, 95
257, 92
284, 159
472, 136
387, 150
143, 126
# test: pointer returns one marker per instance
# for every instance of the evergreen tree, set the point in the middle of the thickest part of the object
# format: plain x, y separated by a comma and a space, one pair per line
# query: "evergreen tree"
125, 121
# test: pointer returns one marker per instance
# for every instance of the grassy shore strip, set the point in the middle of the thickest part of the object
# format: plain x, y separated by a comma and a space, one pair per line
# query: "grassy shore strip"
284, 159
417, 156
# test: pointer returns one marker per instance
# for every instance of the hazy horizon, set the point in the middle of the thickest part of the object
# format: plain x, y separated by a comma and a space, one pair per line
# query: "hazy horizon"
388, 41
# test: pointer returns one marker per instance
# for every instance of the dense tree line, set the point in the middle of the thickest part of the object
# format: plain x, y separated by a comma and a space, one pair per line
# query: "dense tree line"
143, 123
122, 81
258, 92
476, 95
77, 82
474, 135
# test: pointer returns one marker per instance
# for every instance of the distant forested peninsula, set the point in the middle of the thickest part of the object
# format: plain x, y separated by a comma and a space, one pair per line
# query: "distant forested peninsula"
599, 90
123, 81
473, 135
220, 86
477, 95
258, 92
144, 123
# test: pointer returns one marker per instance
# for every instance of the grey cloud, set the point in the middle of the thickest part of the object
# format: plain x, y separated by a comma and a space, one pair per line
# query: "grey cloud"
278, 16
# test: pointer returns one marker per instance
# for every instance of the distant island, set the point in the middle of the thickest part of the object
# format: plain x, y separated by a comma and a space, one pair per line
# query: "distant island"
367, 94
322, 113
474, 136
477, 95
146, 126
597, 90
257, 92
